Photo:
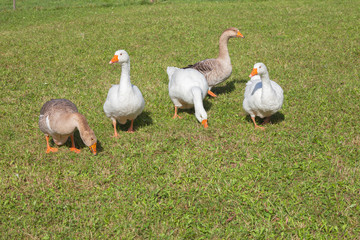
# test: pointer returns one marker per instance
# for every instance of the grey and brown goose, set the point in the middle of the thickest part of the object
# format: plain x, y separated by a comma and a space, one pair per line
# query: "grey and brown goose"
217, 70
59, 118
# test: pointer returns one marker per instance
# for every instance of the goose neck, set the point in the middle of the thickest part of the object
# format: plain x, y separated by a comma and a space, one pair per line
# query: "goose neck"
200, 112
125, 74
81, 123
267, 90
223, 48
265, 78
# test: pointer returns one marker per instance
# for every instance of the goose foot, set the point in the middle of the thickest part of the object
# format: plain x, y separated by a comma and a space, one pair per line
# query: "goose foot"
51, 149
176, 115
73, 149
256, 126
131, 129
48, 148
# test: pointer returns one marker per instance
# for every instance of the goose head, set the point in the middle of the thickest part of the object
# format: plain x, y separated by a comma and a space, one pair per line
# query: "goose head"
259, 69
233, 33
201, 116
120, 56
89, 138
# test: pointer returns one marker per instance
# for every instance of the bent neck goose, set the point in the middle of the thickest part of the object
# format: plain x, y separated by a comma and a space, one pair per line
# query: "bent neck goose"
187, 89
59, 118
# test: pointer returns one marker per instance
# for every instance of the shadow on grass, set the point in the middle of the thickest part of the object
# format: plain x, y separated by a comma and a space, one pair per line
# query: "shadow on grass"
275, 119
81, 145
207, 105
229, 87
144, 119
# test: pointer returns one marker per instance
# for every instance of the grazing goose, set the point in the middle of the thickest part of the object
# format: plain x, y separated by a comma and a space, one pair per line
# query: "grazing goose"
59, 118
217, 70
124, 101
187, 89
263, 97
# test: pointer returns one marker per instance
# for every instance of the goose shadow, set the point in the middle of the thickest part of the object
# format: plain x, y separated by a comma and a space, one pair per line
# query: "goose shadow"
79, 144
274, 119
143, 120
228, 88
206, 103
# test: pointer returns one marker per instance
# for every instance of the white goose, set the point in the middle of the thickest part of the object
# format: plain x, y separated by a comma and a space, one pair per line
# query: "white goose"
124, 101
263, 97
59, 118
217, 70
187, 89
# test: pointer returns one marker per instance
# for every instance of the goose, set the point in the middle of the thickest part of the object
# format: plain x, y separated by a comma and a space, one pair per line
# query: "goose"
217, 70
187, 89
263, 97
59, 118
124, 100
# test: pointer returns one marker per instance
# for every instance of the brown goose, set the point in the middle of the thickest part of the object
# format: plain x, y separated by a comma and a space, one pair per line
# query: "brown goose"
217, 70
59, 119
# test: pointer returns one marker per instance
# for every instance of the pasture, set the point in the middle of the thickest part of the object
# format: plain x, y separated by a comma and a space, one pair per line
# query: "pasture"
173, 179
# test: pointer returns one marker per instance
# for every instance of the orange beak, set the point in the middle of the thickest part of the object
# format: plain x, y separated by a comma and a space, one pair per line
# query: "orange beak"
114, 59
93, 148
239, 35
204, 122
253, 73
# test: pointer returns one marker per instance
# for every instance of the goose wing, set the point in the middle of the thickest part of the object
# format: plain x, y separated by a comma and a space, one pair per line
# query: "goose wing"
56, 105
204, 66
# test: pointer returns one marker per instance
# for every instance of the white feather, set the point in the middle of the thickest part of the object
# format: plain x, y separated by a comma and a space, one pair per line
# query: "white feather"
187, 89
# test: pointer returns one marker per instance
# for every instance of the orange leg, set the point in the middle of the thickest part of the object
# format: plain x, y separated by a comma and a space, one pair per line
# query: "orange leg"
115, 132
131, 129
176, 115
256, 126
73, 148
211, 93
48, 148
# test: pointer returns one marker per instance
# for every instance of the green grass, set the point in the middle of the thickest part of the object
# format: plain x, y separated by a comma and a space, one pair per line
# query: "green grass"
298, 179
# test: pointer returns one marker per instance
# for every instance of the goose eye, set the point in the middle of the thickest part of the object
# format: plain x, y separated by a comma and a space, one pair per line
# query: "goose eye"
260, 67
120, 53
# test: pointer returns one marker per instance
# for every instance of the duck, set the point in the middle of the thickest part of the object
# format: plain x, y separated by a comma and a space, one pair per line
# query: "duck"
124, 100
187, 89
217, 70
263, 97
59, 118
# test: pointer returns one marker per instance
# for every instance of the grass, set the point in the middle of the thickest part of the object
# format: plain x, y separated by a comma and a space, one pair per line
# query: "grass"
298, 179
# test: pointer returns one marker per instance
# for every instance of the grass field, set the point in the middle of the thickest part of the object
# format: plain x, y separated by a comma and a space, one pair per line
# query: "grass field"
298, 179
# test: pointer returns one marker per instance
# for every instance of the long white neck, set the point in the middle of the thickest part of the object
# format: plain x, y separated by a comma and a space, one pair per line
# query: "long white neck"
200, 112
223, 49
125, 76
267, 90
